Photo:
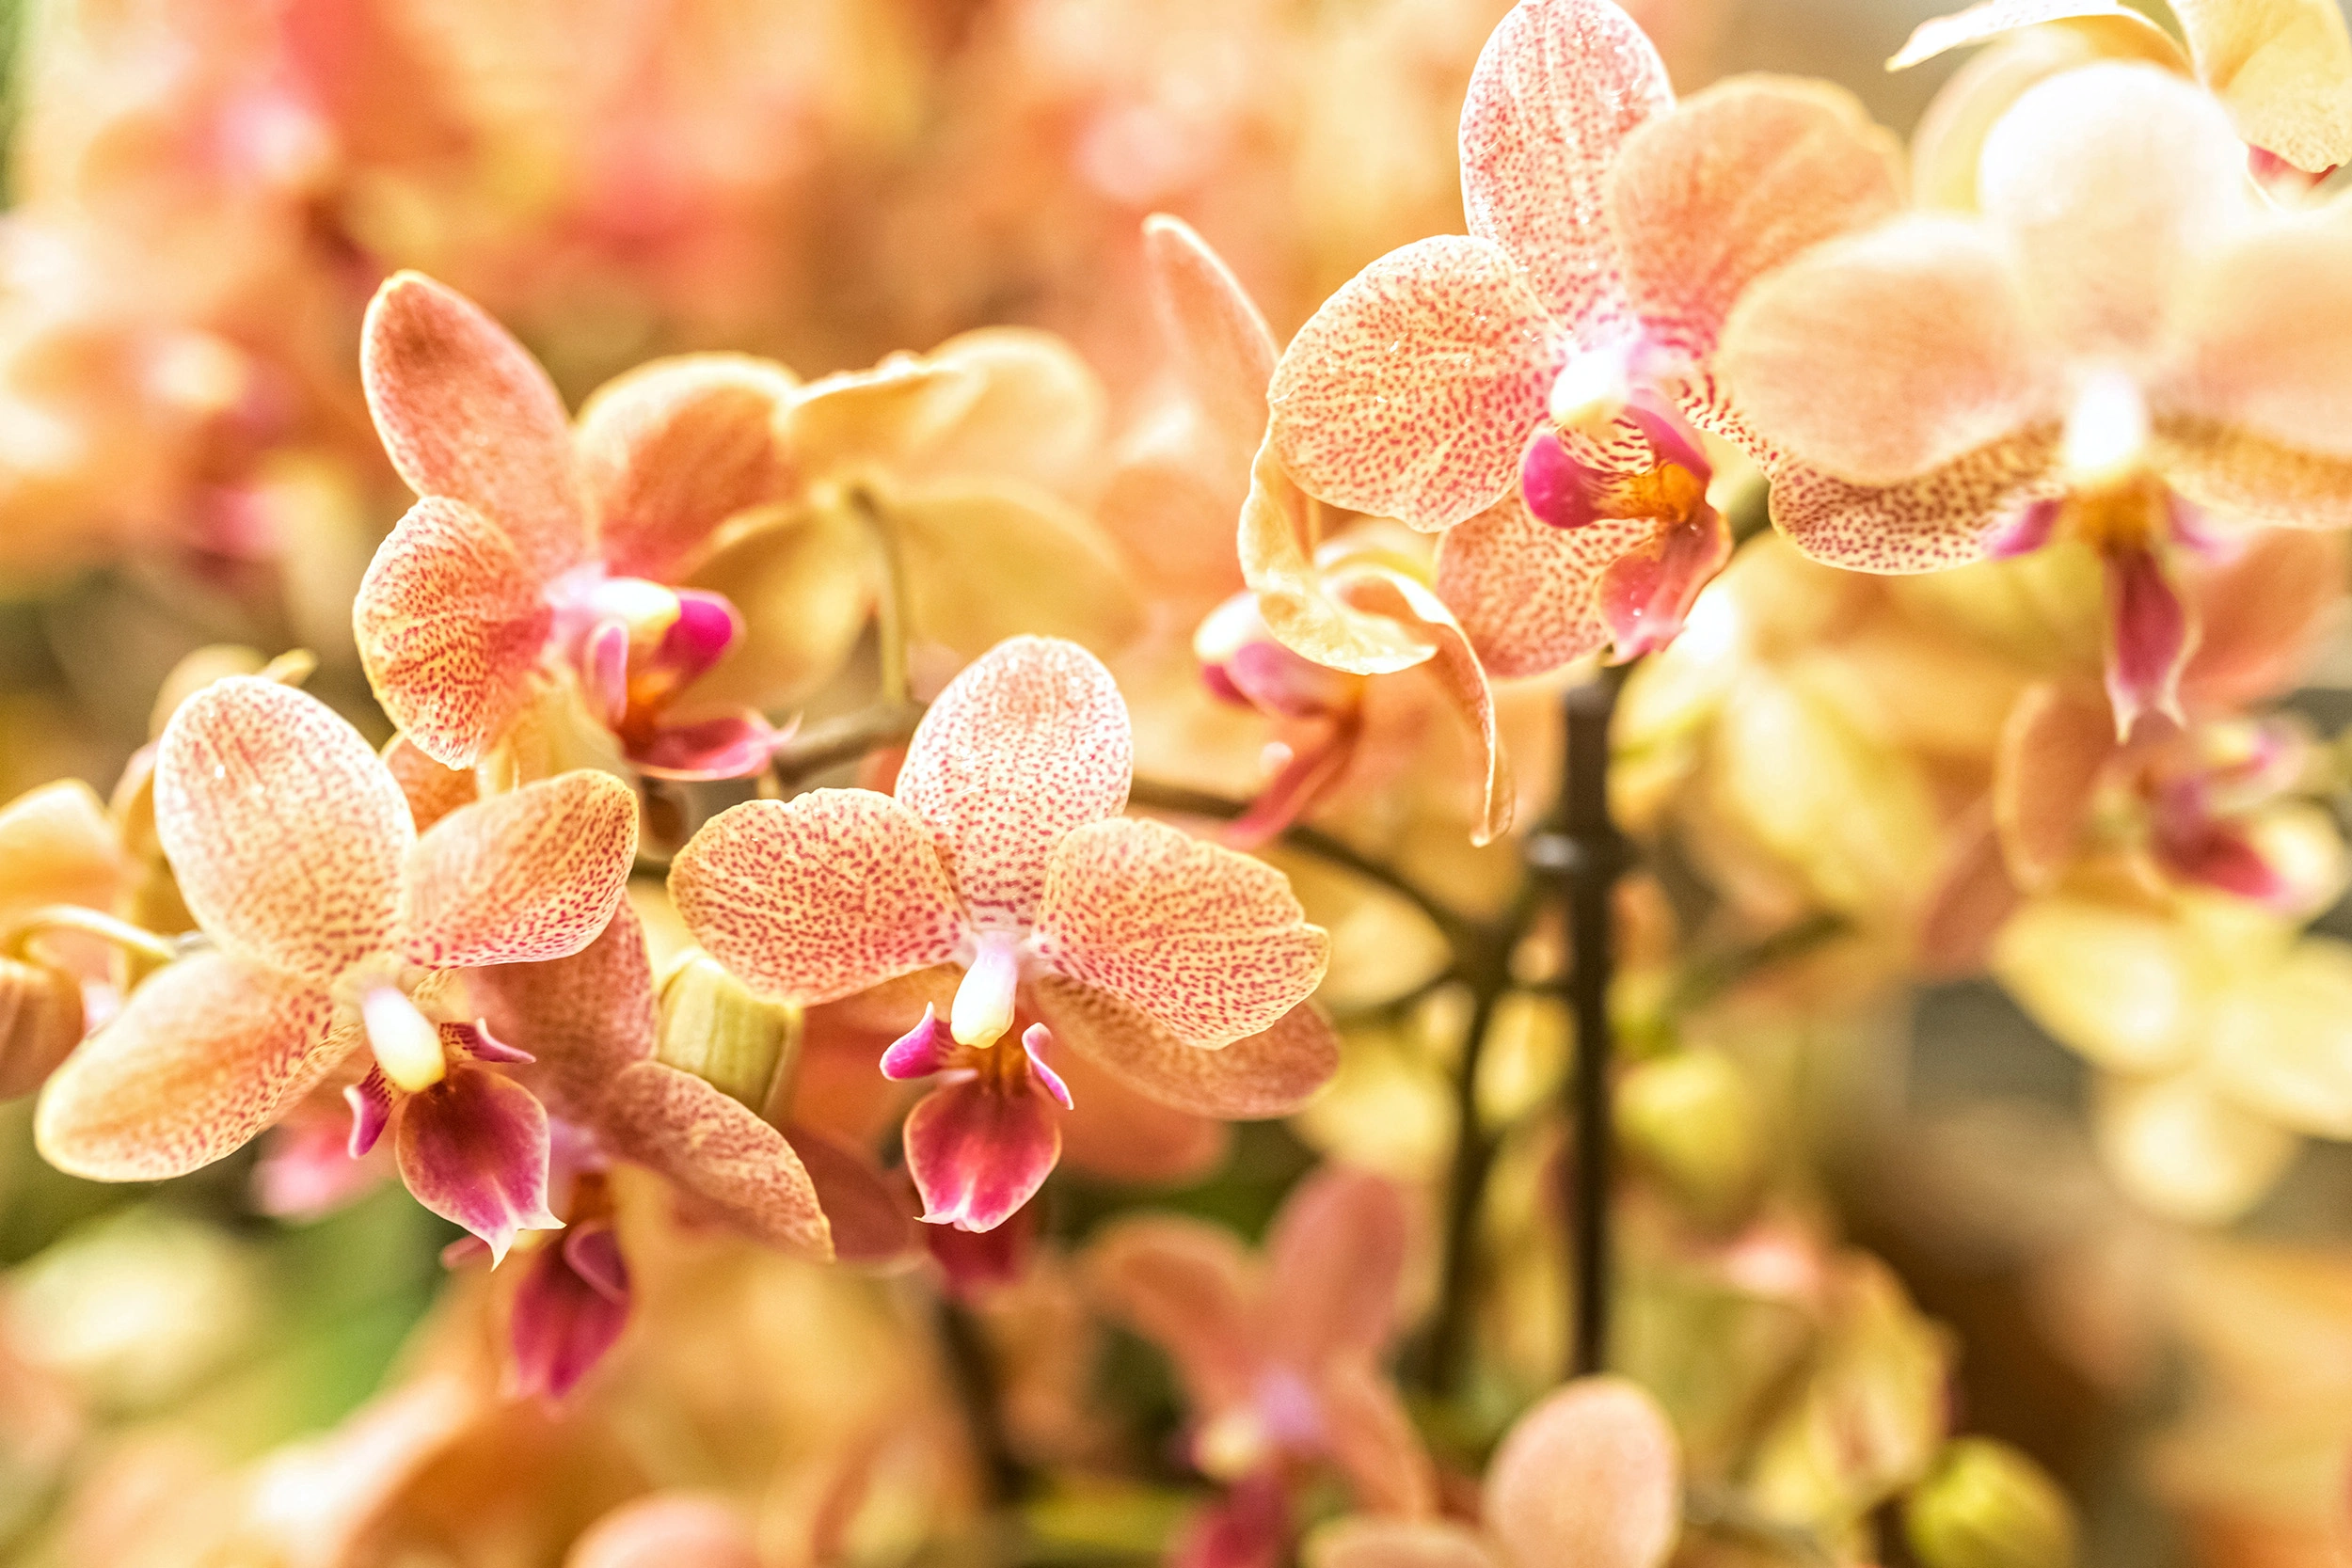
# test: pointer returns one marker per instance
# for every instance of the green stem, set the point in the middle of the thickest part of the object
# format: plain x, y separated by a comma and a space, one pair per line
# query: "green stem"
835, 742
893, 622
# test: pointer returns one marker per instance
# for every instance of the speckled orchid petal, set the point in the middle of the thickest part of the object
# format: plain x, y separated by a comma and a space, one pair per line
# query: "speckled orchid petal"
2121, 30
1189, 1287
2233, 473
1271, 1074
531, 875
449, 626
1211, 944
1591, 1478
977, 1152
1524, 594
2269, 323
987, 560
1734, 182
2150, 633
668, 1530
2283, 68
1967, 511
1364, 1540
371, 1104
583, 1019
1037, 420
2058, 740
286, 831
1881, 356
2102, 246
1295, 601
466, 413
473, 1148
674, 448
1559, 86
1460, 678
1030, 742
1222, 349
571, 1306
709, 1145
818, 897
1411, 392
1335, 1258
1646, 592
203, 1057
433, 790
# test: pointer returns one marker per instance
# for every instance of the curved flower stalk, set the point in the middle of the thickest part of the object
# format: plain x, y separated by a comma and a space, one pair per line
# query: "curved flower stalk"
1525, 389
2283, 68
336, 928
1176, 965
535, 545
2098, 354
1280, 1356
62, 866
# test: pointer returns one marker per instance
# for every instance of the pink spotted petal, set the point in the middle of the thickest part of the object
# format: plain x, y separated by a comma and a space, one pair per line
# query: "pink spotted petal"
1962, 513
370, 1102
1411, 392
1524, 594
1557, 90
1036, 1040
466, 412
732, 746
604, 669
2150, 633
1335, 1261
1029, 742
1211, 944
977, 1154
921, 1051
473, 1148
710, 1147
818, 897
1270, 1073
1591, 1478
1219, 343
286, 831
572, 1305
583, 1019
1646, 592
479, 1042
531, 875
434, 789
206, 1053
449, 626
1461, 680
1280, 526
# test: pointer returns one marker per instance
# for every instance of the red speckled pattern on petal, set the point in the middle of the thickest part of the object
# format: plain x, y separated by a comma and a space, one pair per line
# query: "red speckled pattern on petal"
466, 412
473, 1148
1271, 1074
434, 791
1559, 86
1525, 592
816, 899
714, 1148
1209, 942
1029, 742
1220, 343
1951, 517
204, 1055
522, 876
583, 1019
977, 1154
449, 626
674, 448
285, 828
1411, 392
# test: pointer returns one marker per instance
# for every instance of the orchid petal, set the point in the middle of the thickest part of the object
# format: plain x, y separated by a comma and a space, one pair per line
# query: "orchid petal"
603, 661
206, 1053
2150, 633
567, 1316
804, 585
473, 1148
433, 790
1121, 1134
2263, 614
1189, 1287
921, 1051
869, 1216
1461, 680
1036, 1041
673, 448
583, 1017
2266, 322
1591, 1478
1525, 594
1410, 392
2283, 68
2186, 1151
816, 899
2283, 1047
370, 1102
1335, 1259
285, 830
1646, 592
524, 877
709, 1146
1735, 181
979, 1153
1270, 1073
1029, 742
731, 747
1372, 1441
1211, 944
1948, 144
1369, 1540
2236, 473
1954, 515
984, 560
1036, 421
1883, 356
466, 413
449, 629
1558, 88
667, 1531
2124, 30
1972, 899
1221, 346
2056, 745
57, 846
1293, 600
876, 417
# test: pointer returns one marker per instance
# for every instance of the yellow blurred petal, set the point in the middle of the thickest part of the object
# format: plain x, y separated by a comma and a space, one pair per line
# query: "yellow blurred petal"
805, 585
1038, 415
1274, 540
2186, 1152
2283, 68
2118, 983
985, 561
2283, 1040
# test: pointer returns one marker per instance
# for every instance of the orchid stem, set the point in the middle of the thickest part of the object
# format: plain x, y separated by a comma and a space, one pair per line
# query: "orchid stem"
844, 739
892, 624
974, 1372
89, 922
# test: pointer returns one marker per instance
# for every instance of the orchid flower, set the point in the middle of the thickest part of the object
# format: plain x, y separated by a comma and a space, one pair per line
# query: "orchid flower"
1525, 389
536, 545
59, 852
1179, 966
1279, 1357
2098, 353
336, 927
2283, 68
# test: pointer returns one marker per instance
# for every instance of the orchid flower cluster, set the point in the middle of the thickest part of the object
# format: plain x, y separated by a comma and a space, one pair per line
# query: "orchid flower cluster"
1151, 937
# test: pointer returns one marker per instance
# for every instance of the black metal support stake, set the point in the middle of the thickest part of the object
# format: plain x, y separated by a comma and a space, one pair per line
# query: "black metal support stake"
1585, 855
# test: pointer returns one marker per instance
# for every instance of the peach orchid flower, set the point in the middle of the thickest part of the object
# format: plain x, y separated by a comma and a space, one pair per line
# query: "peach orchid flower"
1179, 966
1525, 389
336, 928
535, 543
2101, 352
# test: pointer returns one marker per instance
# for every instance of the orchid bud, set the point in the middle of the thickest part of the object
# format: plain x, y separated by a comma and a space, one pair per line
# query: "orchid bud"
41, 1020
1691, 1117
1986, 1505
715, 1028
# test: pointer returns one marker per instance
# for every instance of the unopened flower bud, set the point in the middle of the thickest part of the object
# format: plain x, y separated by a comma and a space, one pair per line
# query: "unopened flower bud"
714, 1027
41, 1019
1691, 1118
1985, 1505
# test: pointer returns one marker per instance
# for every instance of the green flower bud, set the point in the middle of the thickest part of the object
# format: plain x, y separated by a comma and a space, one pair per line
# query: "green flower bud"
1985, 1505
1691, 1117
713, 1026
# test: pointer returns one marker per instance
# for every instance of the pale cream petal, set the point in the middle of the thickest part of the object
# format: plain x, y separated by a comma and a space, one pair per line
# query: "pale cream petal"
2283, 68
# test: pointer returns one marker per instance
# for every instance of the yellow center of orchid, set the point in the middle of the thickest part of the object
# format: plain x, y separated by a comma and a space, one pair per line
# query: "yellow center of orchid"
983, 1006
2106, 443
646, 609
1233, 1444
407, 1044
